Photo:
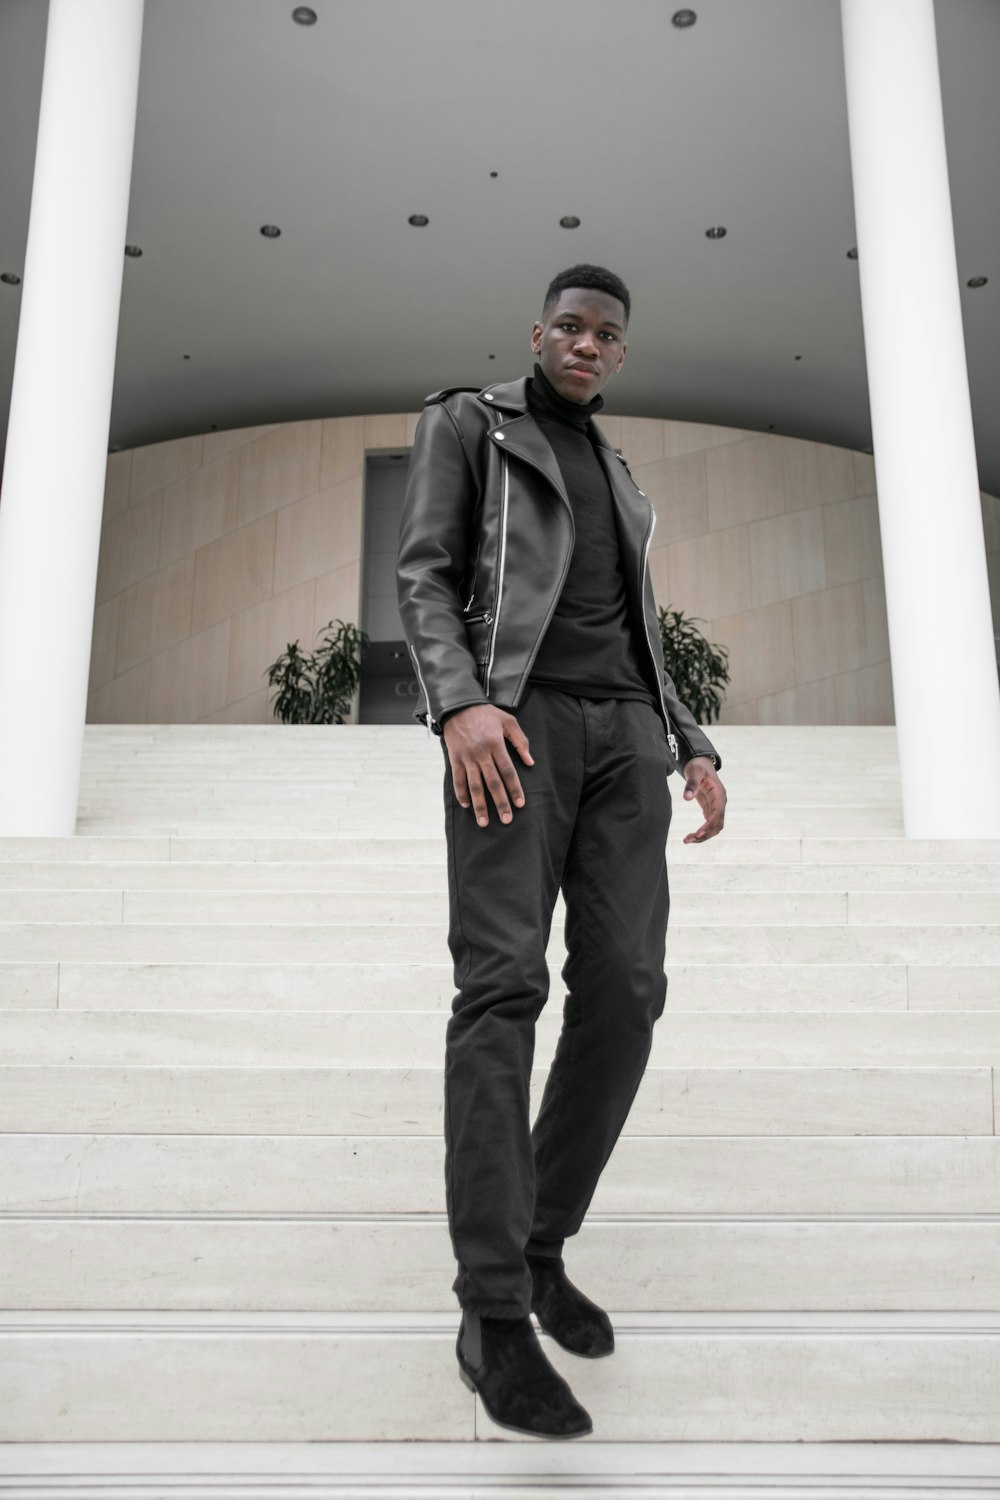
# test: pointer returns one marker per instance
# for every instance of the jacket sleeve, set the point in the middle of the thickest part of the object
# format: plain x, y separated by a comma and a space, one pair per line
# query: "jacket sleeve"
438, 513
692, 740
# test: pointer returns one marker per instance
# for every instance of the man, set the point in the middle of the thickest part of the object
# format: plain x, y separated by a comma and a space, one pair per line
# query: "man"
524, 591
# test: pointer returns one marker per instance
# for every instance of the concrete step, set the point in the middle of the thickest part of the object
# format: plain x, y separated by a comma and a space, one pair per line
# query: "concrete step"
388, 1039
409, 1101
282, 1377
335, 986
449, 1471
394, 846
430, 908
333, 875
340, 1264
405, 942
271, 1173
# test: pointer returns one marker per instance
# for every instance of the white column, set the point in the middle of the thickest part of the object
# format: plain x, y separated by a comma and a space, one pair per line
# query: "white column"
57, 441
944, 669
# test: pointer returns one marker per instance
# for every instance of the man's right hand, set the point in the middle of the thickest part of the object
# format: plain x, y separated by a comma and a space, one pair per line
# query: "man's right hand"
477, 738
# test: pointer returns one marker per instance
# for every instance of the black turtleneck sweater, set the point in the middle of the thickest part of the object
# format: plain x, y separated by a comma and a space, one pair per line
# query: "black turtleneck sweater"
590, 647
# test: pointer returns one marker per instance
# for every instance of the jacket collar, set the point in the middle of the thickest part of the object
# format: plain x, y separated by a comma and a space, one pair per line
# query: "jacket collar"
508, 395
512, 395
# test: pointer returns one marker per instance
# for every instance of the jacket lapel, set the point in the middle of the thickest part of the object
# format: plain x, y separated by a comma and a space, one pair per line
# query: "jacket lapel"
635, 513
523, 438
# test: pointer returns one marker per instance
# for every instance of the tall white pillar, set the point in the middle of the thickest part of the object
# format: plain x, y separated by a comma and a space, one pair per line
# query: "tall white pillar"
944, 670
57, 441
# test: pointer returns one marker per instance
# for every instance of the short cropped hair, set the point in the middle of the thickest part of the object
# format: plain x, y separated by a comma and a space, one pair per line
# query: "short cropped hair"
596, 277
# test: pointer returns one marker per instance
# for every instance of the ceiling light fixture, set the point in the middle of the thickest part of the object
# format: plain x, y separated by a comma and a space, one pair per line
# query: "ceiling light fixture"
9, 278
270, 231
717, 232
494, 174
304, 15
569, 221
419, 221
133, 251
852, 254
683, 18
976, 281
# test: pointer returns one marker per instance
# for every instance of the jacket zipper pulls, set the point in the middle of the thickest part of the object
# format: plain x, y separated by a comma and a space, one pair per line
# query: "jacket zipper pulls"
643, 570
485, 618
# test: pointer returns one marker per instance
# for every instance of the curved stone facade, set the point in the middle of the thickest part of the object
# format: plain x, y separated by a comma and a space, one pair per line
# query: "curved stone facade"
217, 550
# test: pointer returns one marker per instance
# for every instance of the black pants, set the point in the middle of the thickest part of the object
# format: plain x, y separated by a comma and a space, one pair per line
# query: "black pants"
595, 820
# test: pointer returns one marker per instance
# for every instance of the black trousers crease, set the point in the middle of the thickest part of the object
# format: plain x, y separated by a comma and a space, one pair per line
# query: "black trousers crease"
594, 824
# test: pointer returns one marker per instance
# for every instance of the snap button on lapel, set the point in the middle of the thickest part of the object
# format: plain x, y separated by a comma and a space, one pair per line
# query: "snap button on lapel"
487, 396
499, 436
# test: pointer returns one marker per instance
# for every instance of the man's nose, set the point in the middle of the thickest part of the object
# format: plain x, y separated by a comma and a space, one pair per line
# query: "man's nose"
586, 344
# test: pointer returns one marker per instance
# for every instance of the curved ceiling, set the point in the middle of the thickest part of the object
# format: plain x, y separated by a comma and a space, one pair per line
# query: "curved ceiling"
494, 122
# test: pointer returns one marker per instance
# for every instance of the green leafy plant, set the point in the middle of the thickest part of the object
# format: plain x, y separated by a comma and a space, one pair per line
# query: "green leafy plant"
699, 669
318, 687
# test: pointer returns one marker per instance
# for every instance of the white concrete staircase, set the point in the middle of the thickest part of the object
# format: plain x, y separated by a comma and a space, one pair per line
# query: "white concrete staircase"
224, 1265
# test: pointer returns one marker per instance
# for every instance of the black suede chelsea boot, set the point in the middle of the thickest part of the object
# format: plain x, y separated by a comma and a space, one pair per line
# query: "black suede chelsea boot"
502, 1360
576, 1323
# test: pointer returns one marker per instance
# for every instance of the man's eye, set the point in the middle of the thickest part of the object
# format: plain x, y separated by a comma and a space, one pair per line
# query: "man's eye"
570, 327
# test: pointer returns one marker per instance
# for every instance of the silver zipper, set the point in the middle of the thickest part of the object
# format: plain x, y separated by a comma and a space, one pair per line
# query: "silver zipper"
671, 737
431, 721
484, 619
500, 574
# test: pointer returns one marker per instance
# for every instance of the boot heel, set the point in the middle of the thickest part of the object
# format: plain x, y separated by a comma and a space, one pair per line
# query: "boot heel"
465, 1380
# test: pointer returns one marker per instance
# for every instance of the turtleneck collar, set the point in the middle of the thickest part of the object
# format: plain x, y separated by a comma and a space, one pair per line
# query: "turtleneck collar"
543, 394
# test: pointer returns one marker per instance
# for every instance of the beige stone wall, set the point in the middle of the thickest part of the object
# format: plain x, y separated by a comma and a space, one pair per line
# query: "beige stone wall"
773, 542
218, 550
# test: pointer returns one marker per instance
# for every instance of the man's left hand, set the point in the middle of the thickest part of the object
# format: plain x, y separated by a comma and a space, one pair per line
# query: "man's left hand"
701, 780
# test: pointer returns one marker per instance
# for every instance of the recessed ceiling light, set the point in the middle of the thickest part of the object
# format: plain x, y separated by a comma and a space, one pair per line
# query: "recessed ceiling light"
270, 231
304, 15
682, 18
491, 356
494, 174
185, 356
717, 232
570, 221
852, 254
798, 356
10, 279
977, 281
419, 221
133, 251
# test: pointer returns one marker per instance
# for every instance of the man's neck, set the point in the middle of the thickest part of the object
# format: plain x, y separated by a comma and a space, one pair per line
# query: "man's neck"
544, 400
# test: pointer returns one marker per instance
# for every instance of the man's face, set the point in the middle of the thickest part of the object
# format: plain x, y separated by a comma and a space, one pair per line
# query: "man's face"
580, 342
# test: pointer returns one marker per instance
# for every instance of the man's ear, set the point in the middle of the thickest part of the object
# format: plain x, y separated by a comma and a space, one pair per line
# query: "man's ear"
536, 333
621, 358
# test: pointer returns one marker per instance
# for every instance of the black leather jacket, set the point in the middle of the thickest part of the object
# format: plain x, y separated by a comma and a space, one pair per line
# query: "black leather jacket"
485, 544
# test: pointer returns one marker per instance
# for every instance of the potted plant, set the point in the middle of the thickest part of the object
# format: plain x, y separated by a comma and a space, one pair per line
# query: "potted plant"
318, 687
699, 669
